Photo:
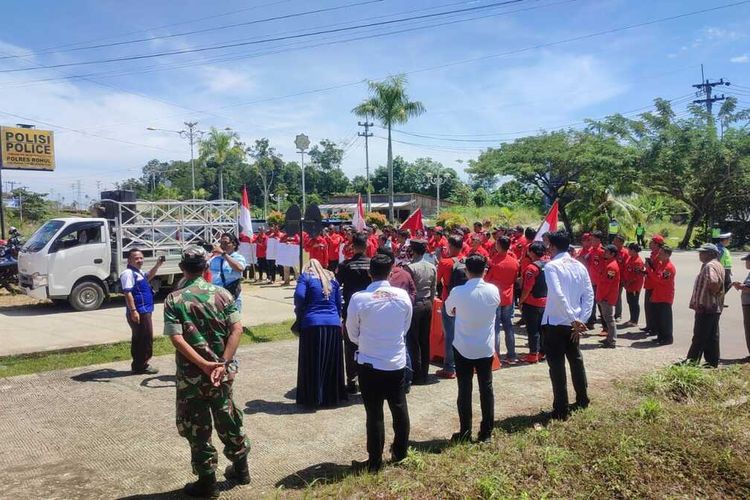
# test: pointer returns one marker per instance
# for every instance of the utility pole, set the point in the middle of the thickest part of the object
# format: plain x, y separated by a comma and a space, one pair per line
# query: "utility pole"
99, 187
706, 88
76, 187
367, 134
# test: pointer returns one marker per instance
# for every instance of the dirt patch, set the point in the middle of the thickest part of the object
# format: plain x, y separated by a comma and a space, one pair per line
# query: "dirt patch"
7, 300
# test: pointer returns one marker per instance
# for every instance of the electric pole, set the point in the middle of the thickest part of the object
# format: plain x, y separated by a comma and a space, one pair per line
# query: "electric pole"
366, 134
706, 88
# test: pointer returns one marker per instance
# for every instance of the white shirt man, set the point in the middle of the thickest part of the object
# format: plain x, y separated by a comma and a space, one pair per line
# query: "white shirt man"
570, 296
474, 305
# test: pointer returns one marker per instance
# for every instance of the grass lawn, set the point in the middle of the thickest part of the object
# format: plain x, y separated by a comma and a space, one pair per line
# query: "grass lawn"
681, 432
120, 351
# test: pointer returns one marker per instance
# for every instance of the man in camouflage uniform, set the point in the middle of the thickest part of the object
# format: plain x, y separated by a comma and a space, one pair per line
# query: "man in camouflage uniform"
204, 325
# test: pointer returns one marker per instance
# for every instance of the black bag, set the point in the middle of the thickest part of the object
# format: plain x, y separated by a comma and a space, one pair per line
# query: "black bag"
458, 274
235, 287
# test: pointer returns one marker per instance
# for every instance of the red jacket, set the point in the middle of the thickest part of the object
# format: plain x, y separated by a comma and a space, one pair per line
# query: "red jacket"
372, 247
480, 250
648, 284
334, 240
633, 276
595, 263
520, 248
608, 286
502, 273
317, 247
663, 280
261, 245
444, 272
530, 275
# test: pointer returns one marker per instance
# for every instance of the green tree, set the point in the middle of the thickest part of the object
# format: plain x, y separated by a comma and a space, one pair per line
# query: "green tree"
481, 198
463, 195
32, 206
267, 166
389, 104
514, 194
323, 175
217, 149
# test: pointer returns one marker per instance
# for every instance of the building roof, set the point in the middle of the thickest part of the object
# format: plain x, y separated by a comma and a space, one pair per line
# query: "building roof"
353, 206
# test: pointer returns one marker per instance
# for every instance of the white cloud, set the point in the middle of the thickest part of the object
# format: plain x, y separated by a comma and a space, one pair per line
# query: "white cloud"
223, 80
740, 59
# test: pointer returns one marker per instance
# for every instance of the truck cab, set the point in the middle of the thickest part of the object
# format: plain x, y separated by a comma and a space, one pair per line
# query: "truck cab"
68, 259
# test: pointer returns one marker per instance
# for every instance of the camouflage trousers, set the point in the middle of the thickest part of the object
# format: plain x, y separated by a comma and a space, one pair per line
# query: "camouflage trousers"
197, 403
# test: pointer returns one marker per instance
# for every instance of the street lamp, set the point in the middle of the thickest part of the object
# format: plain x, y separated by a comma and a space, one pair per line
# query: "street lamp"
437, 178
279, 198
191, 134
302, 142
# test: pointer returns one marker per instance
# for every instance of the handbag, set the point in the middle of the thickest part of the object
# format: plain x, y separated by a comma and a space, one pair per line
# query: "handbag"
234, 287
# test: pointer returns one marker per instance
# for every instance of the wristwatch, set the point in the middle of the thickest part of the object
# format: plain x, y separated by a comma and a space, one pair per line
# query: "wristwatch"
232, 366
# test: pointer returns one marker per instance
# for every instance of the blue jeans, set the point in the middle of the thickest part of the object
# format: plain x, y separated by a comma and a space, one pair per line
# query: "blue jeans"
504, 319
449, 330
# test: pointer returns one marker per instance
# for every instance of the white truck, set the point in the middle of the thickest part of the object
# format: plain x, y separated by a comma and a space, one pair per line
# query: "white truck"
79, 259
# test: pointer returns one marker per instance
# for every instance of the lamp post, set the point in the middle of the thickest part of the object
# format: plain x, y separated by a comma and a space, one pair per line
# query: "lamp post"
191, 133
437, 178
278, 198
302, 142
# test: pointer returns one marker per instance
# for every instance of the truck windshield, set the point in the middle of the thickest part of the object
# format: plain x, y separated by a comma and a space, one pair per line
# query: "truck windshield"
42, 236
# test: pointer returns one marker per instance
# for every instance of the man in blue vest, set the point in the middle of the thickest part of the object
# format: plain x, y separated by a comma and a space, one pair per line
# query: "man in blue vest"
139, 299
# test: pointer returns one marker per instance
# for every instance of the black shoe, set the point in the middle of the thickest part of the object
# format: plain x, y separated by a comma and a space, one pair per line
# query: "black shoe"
645, 329
652, 334
483, 437
351, 387
560, 415
148, 370
579, 405
204, 487
461, 437
365, 466
608, 345
238, 471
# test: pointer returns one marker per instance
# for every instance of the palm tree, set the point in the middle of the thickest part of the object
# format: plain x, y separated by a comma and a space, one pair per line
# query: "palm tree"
216, 148
389, 103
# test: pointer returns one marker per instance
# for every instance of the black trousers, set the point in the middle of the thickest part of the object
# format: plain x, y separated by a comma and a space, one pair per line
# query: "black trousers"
648, 308
378, 386
592, 318
661, 318
634, 306
262, 267
640, 239
271, 269
141, 341
560, 345
618, 306
350, 349
532, 316
465, 376
419, 340
705, 338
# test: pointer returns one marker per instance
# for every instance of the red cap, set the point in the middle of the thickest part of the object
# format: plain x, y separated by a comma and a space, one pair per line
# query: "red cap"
658, 239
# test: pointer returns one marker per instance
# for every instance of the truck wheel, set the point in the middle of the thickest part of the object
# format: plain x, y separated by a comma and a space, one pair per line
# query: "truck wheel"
86, 296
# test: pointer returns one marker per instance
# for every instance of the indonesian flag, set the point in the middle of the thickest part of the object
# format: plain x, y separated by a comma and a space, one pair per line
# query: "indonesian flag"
549, 224
246, 223
358, 221
414, 222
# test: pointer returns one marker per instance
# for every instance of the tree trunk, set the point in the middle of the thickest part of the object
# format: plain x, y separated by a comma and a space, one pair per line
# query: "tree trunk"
565, 219
695, 218
390, 176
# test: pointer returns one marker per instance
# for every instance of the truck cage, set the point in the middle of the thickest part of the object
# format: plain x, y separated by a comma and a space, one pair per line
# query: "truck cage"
169, 226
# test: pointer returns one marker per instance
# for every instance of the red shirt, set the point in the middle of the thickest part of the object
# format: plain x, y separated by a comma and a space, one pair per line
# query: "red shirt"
334, 240
633, 277
622, 258
530, 276
663, 279
317, 247
444, 271
595, 263
649, 283
261, 245
348, 251
609, 283
502, 273
372, 247
480, 250
520, 248
465, 249
489, 245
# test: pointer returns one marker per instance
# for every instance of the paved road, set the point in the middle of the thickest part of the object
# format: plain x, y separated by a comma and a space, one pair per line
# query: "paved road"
47, 327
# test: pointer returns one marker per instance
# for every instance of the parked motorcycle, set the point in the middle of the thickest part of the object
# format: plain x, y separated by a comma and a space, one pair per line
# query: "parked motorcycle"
9, 261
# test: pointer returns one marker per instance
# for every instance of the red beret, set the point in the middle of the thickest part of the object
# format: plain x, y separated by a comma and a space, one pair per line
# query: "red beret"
658, 238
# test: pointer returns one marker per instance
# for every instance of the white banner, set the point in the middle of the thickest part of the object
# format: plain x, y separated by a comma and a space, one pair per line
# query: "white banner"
273, 244
248, 250
287, 255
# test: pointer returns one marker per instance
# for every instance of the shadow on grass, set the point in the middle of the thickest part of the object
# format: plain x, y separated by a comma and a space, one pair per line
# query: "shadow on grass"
519, 423
102, 375
435, 446
322, 473
736, 361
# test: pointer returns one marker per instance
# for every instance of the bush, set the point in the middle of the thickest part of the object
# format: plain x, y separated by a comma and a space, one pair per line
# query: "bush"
680, 381
450, 220
342, 216
376, 219
276, 217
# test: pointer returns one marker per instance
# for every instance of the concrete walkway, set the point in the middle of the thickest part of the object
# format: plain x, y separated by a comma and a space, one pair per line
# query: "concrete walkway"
98, 432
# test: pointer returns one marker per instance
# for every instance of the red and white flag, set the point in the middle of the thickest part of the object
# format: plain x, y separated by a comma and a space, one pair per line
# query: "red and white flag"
246, 223
549, 224
358, 221
414, 222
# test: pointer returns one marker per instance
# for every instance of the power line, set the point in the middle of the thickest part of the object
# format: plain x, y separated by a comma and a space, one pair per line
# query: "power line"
266, 40
204, 30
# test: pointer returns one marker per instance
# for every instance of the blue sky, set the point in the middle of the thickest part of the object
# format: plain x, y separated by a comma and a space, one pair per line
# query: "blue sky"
484, 76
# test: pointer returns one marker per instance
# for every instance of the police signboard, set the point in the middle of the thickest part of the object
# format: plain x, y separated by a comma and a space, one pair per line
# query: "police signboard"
27, 149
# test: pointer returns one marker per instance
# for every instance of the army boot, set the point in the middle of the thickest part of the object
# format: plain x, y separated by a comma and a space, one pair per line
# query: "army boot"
204, 487
238, 471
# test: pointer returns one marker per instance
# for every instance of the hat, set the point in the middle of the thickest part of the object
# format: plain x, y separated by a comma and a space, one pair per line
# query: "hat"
658, 239
724, 236
586, 235
194, 254
709, 247
746, 257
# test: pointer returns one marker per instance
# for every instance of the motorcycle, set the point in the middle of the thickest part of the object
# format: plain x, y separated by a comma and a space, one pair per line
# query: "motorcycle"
9, 261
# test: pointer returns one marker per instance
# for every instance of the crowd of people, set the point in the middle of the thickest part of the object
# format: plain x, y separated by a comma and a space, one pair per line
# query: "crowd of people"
364, 319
